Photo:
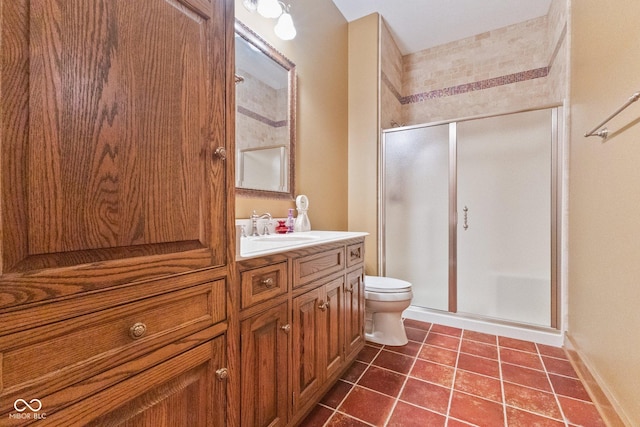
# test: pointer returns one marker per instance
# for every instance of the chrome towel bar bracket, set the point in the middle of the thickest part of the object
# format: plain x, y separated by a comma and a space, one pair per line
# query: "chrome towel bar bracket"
604, 132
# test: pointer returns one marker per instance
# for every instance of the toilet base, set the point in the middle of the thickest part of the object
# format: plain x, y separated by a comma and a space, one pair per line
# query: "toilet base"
385, 329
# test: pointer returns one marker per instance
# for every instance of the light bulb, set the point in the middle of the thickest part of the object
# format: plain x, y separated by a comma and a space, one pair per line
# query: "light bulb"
269, 8
250, 5
284, 28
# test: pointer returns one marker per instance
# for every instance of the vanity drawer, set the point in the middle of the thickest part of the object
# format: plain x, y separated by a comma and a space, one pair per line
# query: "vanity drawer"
355, 254
311, 267
43, 360
260, 284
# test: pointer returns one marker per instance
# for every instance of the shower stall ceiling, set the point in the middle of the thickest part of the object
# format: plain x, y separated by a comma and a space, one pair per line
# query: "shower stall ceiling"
468, 215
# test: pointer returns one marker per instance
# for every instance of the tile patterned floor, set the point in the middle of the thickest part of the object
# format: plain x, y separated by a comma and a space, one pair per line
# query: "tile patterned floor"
452, 377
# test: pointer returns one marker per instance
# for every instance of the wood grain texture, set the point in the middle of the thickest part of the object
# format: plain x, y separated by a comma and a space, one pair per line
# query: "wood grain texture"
167, 394
264, 356
112, 113
55, 356
322, 342
114, 209
315, 266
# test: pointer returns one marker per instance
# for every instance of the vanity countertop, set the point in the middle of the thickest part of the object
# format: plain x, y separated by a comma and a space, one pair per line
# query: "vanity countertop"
256, 246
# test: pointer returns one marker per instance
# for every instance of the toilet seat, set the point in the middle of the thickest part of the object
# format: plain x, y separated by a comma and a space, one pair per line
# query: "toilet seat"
385, 285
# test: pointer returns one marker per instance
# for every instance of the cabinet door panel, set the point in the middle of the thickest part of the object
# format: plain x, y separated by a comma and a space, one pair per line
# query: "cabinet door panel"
307, 345
354, 311
264, 360
112, 119
183, 391
333, 327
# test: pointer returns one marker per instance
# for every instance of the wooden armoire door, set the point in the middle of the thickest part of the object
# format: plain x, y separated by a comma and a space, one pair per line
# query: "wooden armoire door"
113, 143
115, 120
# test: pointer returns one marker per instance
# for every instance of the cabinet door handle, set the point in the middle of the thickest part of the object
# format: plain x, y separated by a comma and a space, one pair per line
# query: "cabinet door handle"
138, 330
465, 224
222, 374
268, 282
349, 289
323, 306
286, 328
220, 153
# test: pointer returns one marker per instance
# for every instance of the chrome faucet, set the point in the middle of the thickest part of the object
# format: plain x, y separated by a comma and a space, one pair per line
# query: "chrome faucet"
254, 222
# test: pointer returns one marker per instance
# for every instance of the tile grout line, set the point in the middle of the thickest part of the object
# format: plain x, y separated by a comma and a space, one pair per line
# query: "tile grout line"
504, 396
415, 359
335, 410
553, 389
453, 381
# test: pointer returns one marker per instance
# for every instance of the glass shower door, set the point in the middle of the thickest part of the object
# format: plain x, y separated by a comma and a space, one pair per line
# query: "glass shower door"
504, 217
416, 211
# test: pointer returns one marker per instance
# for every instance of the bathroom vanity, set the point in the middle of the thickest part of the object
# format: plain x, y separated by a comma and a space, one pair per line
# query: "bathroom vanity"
301, 320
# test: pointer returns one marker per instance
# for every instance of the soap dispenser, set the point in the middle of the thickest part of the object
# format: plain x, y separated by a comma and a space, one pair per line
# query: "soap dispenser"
290, 221
302, 220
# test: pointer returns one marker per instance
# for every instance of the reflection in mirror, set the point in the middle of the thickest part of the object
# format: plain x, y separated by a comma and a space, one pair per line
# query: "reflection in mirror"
265, 118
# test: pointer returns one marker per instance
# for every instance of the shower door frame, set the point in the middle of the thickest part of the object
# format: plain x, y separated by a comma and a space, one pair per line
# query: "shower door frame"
557, 125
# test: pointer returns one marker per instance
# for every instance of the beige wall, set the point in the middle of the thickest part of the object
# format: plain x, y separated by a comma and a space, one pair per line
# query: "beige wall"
604, 242
320, 54
363, 132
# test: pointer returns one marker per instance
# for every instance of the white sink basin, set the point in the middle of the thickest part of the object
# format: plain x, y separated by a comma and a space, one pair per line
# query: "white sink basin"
285, 238
254, 246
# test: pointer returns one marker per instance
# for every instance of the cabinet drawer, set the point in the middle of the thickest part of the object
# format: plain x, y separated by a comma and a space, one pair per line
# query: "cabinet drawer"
260, 284
355, 254
45, 359
311, 267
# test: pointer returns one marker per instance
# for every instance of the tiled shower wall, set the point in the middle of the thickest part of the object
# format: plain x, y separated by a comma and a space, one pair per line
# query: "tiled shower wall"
391, 84
518, 67
261, 119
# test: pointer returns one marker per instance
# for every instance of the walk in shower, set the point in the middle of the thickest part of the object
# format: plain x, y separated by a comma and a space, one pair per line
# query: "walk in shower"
469, 212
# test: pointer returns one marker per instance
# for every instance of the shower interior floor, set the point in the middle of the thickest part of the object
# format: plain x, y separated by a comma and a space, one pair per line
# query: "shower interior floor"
454, 377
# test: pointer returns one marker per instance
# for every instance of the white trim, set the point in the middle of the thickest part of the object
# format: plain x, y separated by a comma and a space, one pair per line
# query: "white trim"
547, 337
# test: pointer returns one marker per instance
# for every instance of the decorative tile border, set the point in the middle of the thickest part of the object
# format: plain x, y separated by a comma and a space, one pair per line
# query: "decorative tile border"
390, 85
262, 119
480, 85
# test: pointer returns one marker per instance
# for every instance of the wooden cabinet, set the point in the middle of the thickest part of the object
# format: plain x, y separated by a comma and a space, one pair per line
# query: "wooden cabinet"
353, 310
283, 376
186, 390
317, 338
265, 367
114, 191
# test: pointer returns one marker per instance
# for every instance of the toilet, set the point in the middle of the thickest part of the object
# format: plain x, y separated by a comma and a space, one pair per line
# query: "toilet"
385, 300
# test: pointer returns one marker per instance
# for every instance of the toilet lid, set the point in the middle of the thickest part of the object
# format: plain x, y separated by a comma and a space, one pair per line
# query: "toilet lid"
385, 284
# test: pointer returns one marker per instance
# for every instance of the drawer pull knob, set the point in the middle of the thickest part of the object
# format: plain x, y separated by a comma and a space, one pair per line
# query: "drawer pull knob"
286, 328
268, 282
323, 306
222, 374
355, 253
220, 153
138, 330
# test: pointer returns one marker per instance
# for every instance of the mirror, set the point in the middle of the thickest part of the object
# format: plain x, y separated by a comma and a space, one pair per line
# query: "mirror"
265, 118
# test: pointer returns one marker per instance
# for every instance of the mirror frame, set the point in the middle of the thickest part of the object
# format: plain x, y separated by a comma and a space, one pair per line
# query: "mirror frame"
251, 37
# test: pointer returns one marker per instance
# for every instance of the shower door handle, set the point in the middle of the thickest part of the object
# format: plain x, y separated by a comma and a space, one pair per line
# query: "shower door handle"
465, 223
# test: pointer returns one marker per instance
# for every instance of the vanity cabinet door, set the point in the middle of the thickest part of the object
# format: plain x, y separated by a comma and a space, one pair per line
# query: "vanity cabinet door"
333, 327
308, 319
264, 354
354, 311
318, 331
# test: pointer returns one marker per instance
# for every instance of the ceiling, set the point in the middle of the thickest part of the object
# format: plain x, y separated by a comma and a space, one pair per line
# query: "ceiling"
419, 24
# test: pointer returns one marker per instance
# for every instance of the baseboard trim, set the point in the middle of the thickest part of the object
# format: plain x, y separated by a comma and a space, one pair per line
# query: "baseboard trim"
598, 394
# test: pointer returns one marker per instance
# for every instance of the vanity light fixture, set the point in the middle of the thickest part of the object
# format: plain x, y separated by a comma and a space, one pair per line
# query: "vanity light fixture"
272, 9
284, 28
